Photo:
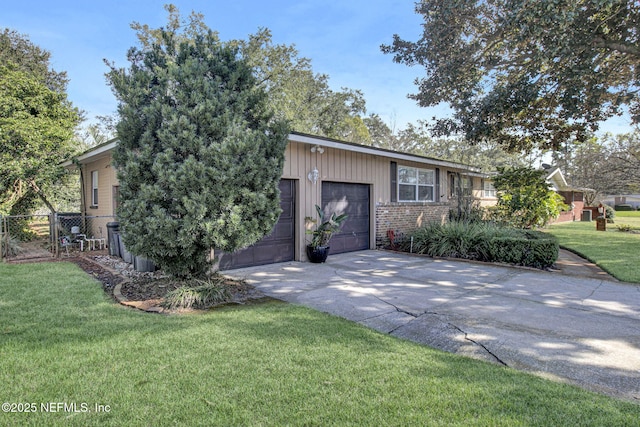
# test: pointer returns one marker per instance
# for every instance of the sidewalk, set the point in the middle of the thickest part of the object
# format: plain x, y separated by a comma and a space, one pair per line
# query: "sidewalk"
574, 265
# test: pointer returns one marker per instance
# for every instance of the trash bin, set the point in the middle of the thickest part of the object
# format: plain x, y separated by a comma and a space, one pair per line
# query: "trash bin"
115, 249
112, 229
124, 253
143, 264
586, 215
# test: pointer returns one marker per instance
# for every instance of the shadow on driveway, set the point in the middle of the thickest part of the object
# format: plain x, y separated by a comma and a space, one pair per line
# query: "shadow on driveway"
577, 329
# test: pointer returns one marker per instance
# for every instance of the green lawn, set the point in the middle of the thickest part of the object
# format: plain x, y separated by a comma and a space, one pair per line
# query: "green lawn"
614, 251
63, 342
628, 217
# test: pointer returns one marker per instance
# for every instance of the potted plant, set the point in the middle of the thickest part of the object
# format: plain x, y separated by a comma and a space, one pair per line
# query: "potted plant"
318, 247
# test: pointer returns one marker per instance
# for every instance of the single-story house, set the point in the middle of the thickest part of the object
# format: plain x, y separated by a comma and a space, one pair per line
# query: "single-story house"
573, 197
379, 190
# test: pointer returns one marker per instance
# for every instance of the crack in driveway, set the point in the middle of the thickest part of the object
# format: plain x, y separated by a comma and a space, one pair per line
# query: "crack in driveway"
465, 334
396, 307
484, 347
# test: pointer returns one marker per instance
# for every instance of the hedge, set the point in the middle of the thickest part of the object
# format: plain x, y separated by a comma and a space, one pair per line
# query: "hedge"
538, 253
485, 242
624, 207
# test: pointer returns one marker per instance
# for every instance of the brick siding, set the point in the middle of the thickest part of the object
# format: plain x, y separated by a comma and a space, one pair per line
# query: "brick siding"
403, 218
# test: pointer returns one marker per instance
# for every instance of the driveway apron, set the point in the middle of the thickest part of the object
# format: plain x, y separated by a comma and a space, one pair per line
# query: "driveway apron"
580, 330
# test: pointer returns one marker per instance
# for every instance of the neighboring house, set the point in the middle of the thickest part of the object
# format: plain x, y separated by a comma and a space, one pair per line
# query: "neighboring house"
573, 197
622, 199
380, 190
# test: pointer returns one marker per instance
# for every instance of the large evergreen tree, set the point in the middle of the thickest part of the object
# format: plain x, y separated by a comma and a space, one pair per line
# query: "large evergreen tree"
294, 91
200, 154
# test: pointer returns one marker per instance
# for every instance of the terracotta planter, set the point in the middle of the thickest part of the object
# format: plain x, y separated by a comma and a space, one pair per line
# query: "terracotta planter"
318, 254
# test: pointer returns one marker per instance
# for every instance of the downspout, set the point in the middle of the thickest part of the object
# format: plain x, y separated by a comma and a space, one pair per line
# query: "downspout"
83, 203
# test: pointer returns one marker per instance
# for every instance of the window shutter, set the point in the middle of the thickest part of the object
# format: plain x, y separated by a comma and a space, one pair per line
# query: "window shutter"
436, 196
394, 181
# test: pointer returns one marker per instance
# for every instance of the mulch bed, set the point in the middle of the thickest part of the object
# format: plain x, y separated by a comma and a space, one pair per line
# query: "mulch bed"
147, 287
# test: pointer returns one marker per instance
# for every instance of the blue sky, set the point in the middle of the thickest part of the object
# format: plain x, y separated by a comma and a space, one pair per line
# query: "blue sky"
341, 37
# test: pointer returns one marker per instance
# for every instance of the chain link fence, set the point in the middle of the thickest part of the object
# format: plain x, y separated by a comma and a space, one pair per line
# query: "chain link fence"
27, 237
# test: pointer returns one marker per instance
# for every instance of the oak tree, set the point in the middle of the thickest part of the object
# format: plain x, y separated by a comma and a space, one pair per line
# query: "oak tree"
36, 124
526, 73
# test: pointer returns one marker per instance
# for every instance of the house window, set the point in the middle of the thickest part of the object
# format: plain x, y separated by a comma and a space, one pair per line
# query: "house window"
489, 189
94, 188
459, 183
415, 185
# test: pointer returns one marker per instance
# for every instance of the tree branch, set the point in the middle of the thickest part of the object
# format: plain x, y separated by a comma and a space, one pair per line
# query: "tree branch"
627, 49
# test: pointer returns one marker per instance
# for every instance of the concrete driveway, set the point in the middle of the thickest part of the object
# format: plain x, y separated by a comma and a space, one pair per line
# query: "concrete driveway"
581, 330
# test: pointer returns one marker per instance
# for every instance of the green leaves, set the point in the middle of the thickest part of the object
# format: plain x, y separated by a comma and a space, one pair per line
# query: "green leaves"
325, 228
36, 122
524, 198
526, 74
200, 153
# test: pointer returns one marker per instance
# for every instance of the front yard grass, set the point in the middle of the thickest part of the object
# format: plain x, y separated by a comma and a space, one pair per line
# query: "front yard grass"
64, 342
614, 251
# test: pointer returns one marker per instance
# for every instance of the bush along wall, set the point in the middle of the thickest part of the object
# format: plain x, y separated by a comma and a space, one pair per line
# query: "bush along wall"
484, 242
530, 252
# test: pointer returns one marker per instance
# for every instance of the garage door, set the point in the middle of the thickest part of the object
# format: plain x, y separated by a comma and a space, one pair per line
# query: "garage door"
277, 246
352, 199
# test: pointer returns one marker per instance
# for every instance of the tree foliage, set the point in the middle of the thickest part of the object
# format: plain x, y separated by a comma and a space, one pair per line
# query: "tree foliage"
36, 124
526, 73
303, 97
200, 154
603, 165
295, 92
524, 198
416, 139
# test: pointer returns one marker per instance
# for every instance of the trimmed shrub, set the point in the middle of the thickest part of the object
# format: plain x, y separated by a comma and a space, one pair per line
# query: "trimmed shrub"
537, 252
623, 207
485, 241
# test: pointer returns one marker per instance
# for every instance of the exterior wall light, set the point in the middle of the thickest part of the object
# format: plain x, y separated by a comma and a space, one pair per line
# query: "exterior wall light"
314, 175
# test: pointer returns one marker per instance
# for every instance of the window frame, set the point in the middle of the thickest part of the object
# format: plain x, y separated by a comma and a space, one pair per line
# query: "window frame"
94, 188
491, 191
417, 186
466, 185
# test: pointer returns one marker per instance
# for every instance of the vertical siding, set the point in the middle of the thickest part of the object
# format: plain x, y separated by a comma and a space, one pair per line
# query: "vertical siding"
106, 180
338, 166
334, 165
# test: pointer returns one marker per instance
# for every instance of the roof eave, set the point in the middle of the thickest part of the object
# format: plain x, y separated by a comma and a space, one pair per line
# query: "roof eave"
92, 153
358, 148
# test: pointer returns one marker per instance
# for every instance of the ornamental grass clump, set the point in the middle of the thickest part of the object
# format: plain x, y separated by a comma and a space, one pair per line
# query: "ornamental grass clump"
9, 246
199, 294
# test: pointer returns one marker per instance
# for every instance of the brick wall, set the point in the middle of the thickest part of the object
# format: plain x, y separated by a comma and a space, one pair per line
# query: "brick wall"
574, 199
404, 218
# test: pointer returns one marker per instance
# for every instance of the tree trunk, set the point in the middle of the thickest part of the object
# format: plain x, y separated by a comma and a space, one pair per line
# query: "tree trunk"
40, 194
